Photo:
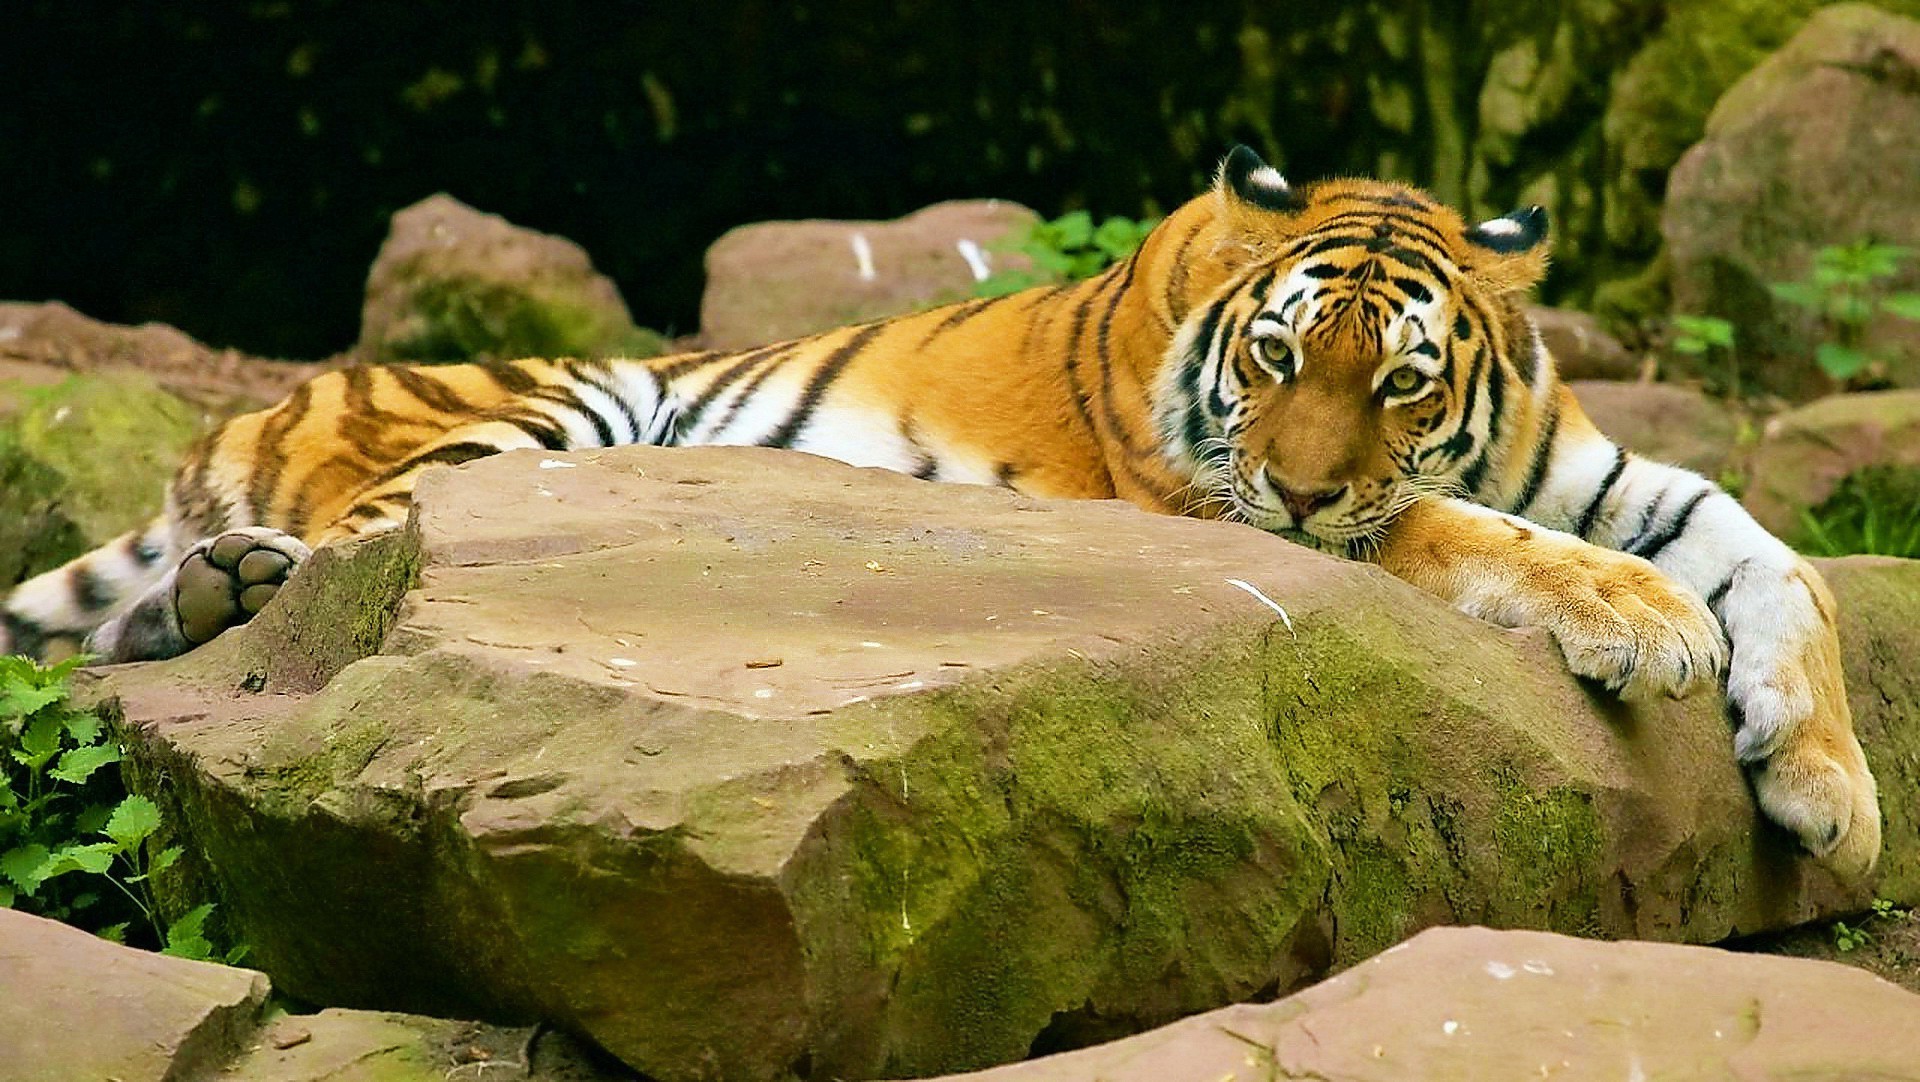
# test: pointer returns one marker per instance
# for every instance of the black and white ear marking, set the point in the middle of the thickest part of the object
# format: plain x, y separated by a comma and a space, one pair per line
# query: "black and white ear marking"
1516, 232
1256, 182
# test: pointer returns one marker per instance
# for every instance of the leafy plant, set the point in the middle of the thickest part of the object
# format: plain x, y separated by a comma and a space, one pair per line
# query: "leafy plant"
1848, 937
1067, 248
1702, 336
1847, 289
1874, 510
74, 846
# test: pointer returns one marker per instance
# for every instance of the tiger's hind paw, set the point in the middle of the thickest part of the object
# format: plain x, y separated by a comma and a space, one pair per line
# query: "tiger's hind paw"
223, 581
1826, 797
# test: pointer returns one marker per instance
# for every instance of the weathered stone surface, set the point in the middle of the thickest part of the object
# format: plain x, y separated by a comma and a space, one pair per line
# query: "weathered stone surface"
1665, 422
73, 1006
454, 284
82, 459
1817, 146
1471, 1003
776, 280
1581, 348
1804, 454
370, 1046
744, 762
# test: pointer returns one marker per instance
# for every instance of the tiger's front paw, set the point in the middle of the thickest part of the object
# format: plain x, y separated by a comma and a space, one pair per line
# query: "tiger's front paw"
1620, 621
1794, 728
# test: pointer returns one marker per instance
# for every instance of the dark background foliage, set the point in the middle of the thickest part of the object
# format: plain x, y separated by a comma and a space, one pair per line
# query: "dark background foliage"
229, 167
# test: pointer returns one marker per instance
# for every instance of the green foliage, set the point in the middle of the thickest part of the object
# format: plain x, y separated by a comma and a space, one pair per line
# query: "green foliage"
1849, 937
1875, 510
73, 845
460, 320
1066, 249
1701, 336
1846, 291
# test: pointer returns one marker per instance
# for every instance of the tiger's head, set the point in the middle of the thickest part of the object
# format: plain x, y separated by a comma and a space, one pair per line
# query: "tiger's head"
1357, 354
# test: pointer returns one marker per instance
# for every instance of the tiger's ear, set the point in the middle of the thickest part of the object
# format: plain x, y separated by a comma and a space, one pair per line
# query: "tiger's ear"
1509, 253
1245, 179
1252, 196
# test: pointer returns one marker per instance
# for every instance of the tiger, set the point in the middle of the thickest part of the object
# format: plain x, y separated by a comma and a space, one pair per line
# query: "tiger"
1346, 363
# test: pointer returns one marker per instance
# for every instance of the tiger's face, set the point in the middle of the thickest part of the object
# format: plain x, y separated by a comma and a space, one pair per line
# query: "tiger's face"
1355, 361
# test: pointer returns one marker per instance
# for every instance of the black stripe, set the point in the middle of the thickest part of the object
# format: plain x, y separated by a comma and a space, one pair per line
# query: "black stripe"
268, 460
1542, 455
508, 377
961, 313
1103, 352
430, 391
1675, 526
566, 398
543, 431
1176, 297
23, 635
1719, 593
696, 409
447, 454
1592, 512
817, 387
580, 371
1456, 446
91, 592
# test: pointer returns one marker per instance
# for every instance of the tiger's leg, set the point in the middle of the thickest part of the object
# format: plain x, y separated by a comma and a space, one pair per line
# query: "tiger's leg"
1785, 689
52, 614
218, 582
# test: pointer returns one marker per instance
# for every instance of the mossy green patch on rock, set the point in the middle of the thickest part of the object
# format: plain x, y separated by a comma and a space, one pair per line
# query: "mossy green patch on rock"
82, 461
454, 320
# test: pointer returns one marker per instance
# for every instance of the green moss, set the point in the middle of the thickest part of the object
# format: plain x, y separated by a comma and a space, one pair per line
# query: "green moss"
463, 319
82, 461
1550, 843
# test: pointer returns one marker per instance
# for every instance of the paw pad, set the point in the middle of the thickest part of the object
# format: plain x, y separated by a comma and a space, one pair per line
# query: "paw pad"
225, 581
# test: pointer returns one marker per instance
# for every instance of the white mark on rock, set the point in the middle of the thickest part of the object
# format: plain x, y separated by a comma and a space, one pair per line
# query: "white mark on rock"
871, 645
1250, 588
541, 490
1635, 1072
1449, 1027
622, 662
1536, 966
556, 464
911, 684
62, 414
977, 260
1500, 971
763, 693
862, 255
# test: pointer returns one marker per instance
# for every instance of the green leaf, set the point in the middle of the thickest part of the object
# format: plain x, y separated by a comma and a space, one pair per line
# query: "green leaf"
1074, 229
6, 896
78, 765
186, 937
23, 866
114, 933
1840, 362
164, 859
84, 726
133, 822
39, 743
1904, 305
21, 700
92, 818
94, 858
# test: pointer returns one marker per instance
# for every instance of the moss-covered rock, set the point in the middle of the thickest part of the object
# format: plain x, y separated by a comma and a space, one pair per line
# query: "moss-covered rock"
751, 765
83, 458
452, 284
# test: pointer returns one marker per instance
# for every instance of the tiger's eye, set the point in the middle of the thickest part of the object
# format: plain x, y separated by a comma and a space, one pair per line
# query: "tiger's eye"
1405, 380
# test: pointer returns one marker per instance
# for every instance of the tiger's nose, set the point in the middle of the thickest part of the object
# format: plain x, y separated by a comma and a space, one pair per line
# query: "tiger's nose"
1304, 502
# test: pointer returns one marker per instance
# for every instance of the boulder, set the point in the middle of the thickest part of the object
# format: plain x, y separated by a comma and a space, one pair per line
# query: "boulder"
1581, 348
454, 284
83, 458
1472, 1003
746, 763
39, 339
77, 1006
1804, 454
776, 280
1816, 146
1664, 422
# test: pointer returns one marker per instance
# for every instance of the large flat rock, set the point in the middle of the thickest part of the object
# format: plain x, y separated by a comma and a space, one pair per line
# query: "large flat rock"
745, 763
73, 1006
1469, 1003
